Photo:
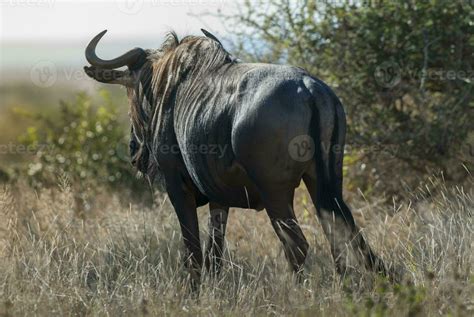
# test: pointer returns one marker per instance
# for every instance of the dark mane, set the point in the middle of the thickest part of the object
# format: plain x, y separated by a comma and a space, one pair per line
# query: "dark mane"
175, 62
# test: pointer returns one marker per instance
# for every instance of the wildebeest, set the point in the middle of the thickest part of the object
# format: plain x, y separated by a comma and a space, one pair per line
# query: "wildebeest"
274, 124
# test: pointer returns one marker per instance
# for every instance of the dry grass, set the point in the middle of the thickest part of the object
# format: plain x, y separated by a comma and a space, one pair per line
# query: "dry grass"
116, 260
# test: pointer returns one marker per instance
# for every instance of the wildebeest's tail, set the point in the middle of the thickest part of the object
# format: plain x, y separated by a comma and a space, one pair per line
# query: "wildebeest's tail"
336, 154
328, 129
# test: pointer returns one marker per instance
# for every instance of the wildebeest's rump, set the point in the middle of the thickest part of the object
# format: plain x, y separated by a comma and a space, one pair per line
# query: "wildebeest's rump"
216, 130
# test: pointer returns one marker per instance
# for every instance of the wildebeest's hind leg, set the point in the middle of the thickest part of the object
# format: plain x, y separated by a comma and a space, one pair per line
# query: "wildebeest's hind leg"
279, 206
217, 225
339, 226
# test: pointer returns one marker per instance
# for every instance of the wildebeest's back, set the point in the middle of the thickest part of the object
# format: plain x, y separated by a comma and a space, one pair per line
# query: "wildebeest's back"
212, 116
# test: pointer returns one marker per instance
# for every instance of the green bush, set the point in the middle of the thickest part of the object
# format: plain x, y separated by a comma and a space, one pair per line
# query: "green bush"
403, 70
86, 142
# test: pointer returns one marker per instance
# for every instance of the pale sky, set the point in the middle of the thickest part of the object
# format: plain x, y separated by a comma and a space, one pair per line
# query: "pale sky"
58, 30
60, 20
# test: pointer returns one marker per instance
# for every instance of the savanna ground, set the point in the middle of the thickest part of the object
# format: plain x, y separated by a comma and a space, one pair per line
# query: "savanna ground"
118, 259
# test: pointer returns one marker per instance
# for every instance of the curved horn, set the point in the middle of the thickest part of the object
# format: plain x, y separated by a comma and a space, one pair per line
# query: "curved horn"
133, 58
211, 36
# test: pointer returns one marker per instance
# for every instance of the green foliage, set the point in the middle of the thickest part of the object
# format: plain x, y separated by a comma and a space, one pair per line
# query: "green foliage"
403, 70
87, 142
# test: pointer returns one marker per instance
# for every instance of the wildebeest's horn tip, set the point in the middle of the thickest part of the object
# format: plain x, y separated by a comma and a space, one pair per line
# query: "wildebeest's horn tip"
101, 33
210, 35
97, 38
206, 33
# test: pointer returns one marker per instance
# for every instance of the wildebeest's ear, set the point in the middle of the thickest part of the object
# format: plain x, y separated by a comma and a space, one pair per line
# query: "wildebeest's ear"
210, 35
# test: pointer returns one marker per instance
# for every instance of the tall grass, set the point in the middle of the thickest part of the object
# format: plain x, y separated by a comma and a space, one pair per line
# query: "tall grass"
110, 259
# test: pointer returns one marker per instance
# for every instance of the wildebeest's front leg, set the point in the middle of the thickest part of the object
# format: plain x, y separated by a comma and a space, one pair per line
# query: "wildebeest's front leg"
217, 225
184, 203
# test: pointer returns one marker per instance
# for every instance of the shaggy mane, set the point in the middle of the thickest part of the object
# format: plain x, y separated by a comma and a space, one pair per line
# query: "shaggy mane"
177, 63
173, 63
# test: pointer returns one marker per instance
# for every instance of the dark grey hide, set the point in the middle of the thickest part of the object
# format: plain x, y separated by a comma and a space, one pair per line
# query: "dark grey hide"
234, 134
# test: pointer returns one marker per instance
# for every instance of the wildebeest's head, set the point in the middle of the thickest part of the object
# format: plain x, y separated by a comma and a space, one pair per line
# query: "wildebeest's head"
107, 71
151, 79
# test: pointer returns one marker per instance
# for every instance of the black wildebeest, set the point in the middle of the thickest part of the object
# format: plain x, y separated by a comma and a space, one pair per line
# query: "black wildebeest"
273, 126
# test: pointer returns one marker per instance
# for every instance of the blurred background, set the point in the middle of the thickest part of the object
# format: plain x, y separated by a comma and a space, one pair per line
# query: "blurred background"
403, 70
42, 78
